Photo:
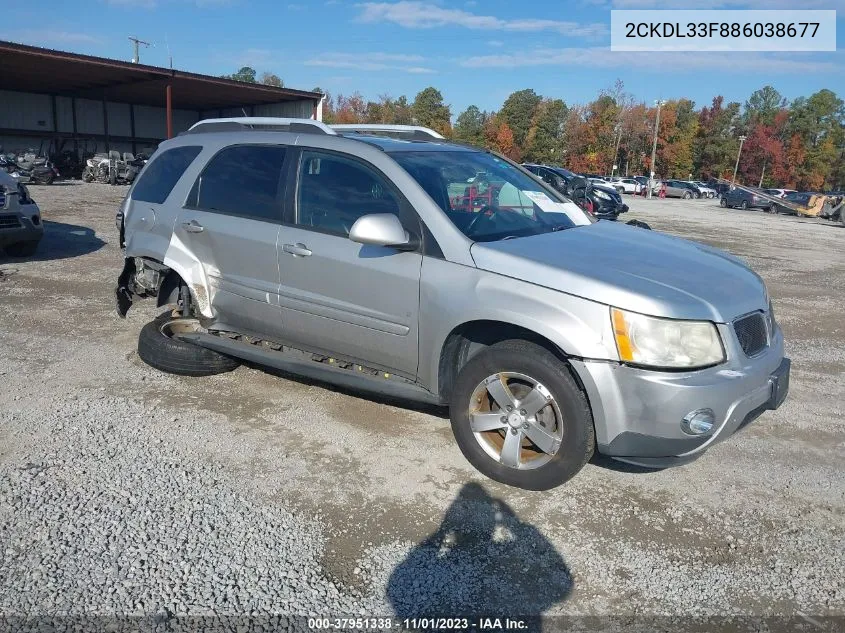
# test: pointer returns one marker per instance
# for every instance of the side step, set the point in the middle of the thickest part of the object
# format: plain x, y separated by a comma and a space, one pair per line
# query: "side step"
300, 365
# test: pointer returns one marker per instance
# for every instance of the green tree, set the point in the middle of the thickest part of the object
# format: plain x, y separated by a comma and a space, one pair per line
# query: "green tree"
717, 143
763, 105
270, 79
245, 74
518, 112
430, 111
469, 126
544, 142
403, 111
818, 122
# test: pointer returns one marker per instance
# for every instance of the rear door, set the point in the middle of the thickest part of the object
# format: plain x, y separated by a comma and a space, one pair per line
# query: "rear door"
338, 296
231, 222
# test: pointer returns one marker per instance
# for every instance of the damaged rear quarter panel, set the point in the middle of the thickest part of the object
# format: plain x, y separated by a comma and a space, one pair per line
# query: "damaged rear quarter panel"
151, 229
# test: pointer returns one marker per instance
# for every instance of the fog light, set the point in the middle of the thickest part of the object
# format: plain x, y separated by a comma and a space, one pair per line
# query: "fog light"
698, 422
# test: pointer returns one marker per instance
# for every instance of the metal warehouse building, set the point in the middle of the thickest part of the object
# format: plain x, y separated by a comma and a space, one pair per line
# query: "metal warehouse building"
96, 104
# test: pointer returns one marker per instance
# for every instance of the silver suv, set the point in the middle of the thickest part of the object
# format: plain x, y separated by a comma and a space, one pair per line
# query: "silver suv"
388, 259
20, 219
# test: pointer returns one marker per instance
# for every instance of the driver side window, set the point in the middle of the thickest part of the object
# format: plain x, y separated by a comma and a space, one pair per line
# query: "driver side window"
334, 192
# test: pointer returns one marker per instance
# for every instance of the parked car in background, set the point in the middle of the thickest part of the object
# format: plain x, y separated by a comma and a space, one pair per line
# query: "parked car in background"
21, 229
681, 189
721, 187
628, 185
706, 192
601, 201
366, 262
744, 199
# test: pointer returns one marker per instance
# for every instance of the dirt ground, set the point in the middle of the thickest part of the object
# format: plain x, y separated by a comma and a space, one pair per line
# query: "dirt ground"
756, 526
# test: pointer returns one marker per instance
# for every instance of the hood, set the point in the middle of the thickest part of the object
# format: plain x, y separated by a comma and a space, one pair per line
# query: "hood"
631, 268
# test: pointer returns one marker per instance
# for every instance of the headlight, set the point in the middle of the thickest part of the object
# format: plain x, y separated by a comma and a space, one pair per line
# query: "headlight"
666, 343
602, 194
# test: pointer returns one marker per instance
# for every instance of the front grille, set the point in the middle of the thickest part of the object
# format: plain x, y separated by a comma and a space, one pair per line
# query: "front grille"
2, 198
9, 221
752, 333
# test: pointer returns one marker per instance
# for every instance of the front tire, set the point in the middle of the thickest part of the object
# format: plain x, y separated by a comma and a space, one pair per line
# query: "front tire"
158, 348
687, 195
744, 205
723, 203
547, 435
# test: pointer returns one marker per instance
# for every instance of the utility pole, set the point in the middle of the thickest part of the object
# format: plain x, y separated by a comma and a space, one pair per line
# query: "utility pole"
613, 167
738, 154
136, 58
762, 173
659, 105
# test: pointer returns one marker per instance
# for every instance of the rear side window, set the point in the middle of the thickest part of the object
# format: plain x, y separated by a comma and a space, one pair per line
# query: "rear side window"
162, 174
242, 180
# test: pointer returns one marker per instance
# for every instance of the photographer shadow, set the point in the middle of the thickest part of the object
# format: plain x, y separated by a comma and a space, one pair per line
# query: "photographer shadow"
482, 561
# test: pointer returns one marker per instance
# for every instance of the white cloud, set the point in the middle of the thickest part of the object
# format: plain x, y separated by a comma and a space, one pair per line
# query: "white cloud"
372, 62
495, 43
655, 61
423, 15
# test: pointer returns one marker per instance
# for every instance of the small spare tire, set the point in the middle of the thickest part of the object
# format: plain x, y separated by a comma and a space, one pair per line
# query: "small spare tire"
159, 349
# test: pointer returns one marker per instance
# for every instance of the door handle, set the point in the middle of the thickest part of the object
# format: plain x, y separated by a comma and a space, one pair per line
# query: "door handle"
193, 227
297, 250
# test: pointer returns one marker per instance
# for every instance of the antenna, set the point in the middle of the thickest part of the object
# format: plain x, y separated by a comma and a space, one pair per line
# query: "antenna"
135, 41
169, 54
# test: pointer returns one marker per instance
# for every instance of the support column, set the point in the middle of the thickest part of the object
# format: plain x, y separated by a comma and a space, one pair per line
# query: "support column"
55, 124
169, 111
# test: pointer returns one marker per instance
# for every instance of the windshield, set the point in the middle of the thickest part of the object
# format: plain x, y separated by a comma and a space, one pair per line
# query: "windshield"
486, 197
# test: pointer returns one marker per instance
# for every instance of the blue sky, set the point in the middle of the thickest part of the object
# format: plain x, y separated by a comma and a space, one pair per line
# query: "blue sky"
473, 51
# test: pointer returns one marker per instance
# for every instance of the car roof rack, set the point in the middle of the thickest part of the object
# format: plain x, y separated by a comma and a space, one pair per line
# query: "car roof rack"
261, 123
408, 132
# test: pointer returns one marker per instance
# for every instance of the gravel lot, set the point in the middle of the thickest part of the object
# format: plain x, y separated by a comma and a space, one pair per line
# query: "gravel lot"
128, 491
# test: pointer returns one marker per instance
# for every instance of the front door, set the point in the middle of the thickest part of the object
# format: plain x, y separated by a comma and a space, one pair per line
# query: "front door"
231, 223
338, 296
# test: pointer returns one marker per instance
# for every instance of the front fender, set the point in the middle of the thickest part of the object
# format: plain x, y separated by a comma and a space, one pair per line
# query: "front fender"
452, 294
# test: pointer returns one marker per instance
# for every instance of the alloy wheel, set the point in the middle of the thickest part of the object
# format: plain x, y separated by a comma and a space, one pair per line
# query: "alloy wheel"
516, 420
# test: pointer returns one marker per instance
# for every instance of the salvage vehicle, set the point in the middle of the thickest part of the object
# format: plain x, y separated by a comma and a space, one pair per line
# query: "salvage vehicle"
29, 167
20, 218
112, 168
358, 259
602, 201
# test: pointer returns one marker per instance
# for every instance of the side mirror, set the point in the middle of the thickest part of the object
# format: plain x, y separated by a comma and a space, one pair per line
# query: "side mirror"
381, 229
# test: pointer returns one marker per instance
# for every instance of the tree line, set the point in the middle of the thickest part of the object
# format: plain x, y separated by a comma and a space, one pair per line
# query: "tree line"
799, 144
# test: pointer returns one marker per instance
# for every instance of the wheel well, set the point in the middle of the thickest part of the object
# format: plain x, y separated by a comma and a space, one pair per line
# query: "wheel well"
466, 340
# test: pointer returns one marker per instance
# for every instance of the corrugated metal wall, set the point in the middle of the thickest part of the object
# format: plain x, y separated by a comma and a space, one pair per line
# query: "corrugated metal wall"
34, 113
290, 109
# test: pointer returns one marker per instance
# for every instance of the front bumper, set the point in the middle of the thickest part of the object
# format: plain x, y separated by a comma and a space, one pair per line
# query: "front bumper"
26, 226
637, 412
607, 209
